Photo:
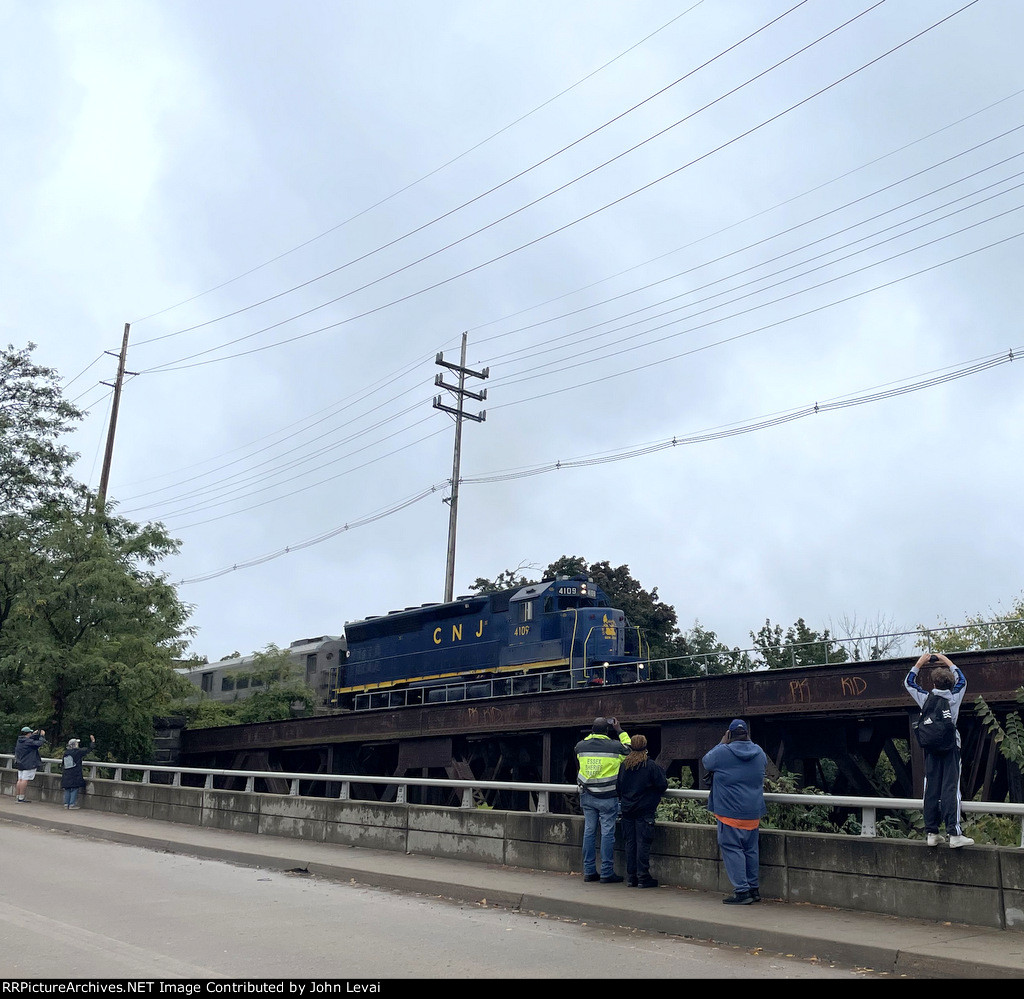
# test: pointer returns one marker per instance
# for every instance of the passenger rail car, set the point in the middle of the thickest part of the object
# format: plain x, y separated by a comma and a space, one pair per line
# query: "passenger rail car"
556, 634
232, 679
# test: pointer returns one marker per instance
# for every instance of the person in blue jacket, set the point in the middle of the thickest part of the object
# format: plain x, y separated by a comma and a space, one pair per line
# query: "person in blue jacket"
738, 766
27, 759
941, 769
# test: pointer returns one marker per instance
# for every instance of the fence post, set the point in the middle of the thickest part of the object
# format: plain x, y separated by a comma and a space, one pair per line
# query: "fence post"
467, 798
542, 803
176, 779
145, 776
345, 793
400, 796
208, 783
250, 784
293, 788
867, 821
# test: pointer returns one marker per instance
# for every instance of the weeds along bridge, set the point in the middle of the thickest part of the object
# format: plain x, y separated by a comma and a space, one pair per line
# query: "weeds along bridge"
830, 725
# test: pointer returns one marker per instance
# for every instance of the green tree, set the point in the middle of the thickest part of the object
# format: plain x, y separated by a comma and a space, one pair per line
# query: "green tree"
89, 629
694, 653
707, 656
99, 632
798, 646
277, 691
995, 631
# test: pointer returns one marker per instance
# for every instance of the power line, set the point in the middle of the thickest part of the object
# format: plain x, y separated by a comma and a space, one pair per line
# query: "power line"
484, 194
415, 183
179, 366
844, 402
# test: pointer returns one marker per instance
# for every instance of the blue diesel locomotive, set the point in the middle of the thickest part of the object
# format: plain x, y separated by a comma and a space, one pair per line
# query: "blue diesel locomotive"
556, 634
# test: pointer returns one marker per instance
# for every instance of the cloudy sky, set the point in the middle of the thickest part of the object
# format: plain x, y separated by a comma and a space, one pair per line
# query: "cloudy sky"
657, 222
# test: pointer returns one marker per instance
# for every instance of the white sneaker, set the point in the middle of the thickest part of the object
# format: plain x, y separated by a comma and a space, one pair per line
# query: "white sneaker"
934, 839
958, 841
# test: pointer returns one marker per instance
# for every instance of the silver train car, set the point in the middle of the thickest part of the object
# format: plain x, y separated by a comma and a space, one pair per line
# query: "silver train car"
232, 680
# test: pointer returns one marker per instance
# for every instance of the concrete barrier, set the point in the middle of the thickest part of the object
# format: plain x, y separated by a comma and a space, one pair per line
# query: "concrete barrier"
980, 885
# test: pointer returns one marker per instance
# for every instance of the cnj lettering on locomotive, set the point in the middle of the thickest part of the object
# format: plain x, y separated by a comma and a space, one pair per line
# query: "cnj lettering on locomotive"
456, 635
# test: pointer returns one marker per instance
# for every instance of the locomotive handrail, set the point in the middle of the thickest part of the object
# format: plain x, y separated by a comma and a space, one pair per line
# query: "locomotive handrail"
868, 806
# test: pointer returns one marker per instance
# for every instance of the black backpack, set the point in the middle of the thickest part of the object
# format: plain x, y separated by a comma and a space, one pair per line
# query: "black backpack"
935, 730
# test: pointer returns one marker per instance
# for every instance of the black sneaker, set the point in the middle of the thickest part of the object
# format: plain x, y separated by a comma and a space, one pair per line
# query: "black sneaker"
588, 878
631, 883
755, 895
648, 883
738, 898
613, 879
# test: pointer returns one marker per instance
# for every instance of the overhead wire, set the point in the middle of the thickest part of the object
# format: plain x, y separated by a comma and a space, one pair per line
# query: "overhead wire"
560, 365
486, 193
176, 473
420, 180
178, 366
225, 488
844, 402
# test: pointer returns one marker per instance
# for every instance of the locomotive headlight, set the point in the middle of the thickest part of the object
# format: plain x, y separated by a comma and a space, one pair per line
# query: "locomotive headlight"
640, 666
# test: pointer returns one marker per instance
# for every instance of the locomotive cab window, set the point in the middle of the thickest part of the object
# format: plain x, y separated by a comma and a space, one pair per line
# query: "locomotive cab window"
526, 611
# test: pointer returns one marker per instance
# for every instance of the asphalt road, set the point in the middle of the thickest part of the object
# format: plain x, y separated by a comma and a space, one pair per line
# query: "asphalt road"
78, 908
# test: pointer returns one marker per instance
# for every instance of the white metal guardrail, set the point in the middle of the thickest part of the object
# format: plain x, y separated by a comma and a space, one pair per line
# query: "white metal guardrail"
868, 807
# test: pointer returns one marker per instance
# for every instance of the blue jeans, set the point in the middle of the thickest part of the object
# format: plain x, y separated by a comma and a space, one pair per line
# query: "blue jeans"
740, 854
70, 796
603, 812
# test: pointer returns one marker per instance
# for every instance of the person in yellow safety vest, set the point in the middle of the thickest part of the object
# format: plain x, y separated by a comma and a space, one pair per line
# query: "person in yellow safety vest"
599, 757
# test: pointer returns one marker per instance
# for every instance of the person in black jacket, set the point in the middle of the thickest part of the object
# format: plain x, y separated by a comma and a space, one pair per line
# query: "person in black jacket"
27, 758
641, 784
72, 779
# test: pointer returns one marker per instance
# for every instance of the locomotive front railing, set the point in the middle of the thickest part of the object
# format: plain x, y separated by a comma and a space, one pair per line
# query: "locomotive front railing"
868, 807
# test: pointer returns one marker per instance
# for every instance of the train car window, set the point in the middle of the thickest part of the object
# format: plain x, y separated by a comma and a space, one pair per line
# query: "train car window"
256, 682
207, 683
241, 683
549, 605
227, 683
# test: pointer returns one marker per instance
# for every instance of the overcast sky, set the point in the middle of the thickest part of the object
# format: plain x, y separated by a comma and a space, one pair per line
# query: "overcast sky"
655, 221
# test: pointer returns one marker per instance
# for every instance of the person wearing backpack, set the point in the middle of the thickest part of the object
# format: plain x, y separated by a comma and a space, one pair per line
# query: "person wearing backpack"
937, 735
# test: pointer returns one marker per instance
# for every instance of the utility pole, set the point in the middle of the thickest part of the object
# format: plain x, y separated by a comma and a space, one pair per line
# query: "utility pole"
101, 495
461, 393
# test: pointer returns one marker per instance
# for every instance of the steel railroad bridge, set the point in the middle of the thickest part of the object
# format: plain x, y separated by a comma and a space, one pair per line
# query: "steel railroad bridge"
851, 714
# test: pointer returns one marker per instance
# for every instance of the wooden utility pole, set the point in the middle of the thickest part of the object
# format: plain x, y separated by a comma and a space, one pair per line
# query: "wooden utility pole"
461, 393
101, 495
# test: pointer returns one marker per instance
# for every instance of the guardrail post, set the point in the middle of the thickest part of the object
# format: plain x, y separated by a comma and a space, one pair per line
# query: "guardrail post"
208, 783
145, 776
176, 779
467, 798
346, 791
542, 802
867, 821
47, 767
250, 784
293, 788
400, 797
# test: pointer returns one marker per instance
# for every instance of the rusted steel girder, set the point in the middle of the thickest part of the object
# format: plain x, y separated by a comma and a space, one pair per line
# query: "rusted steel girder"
848, 689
